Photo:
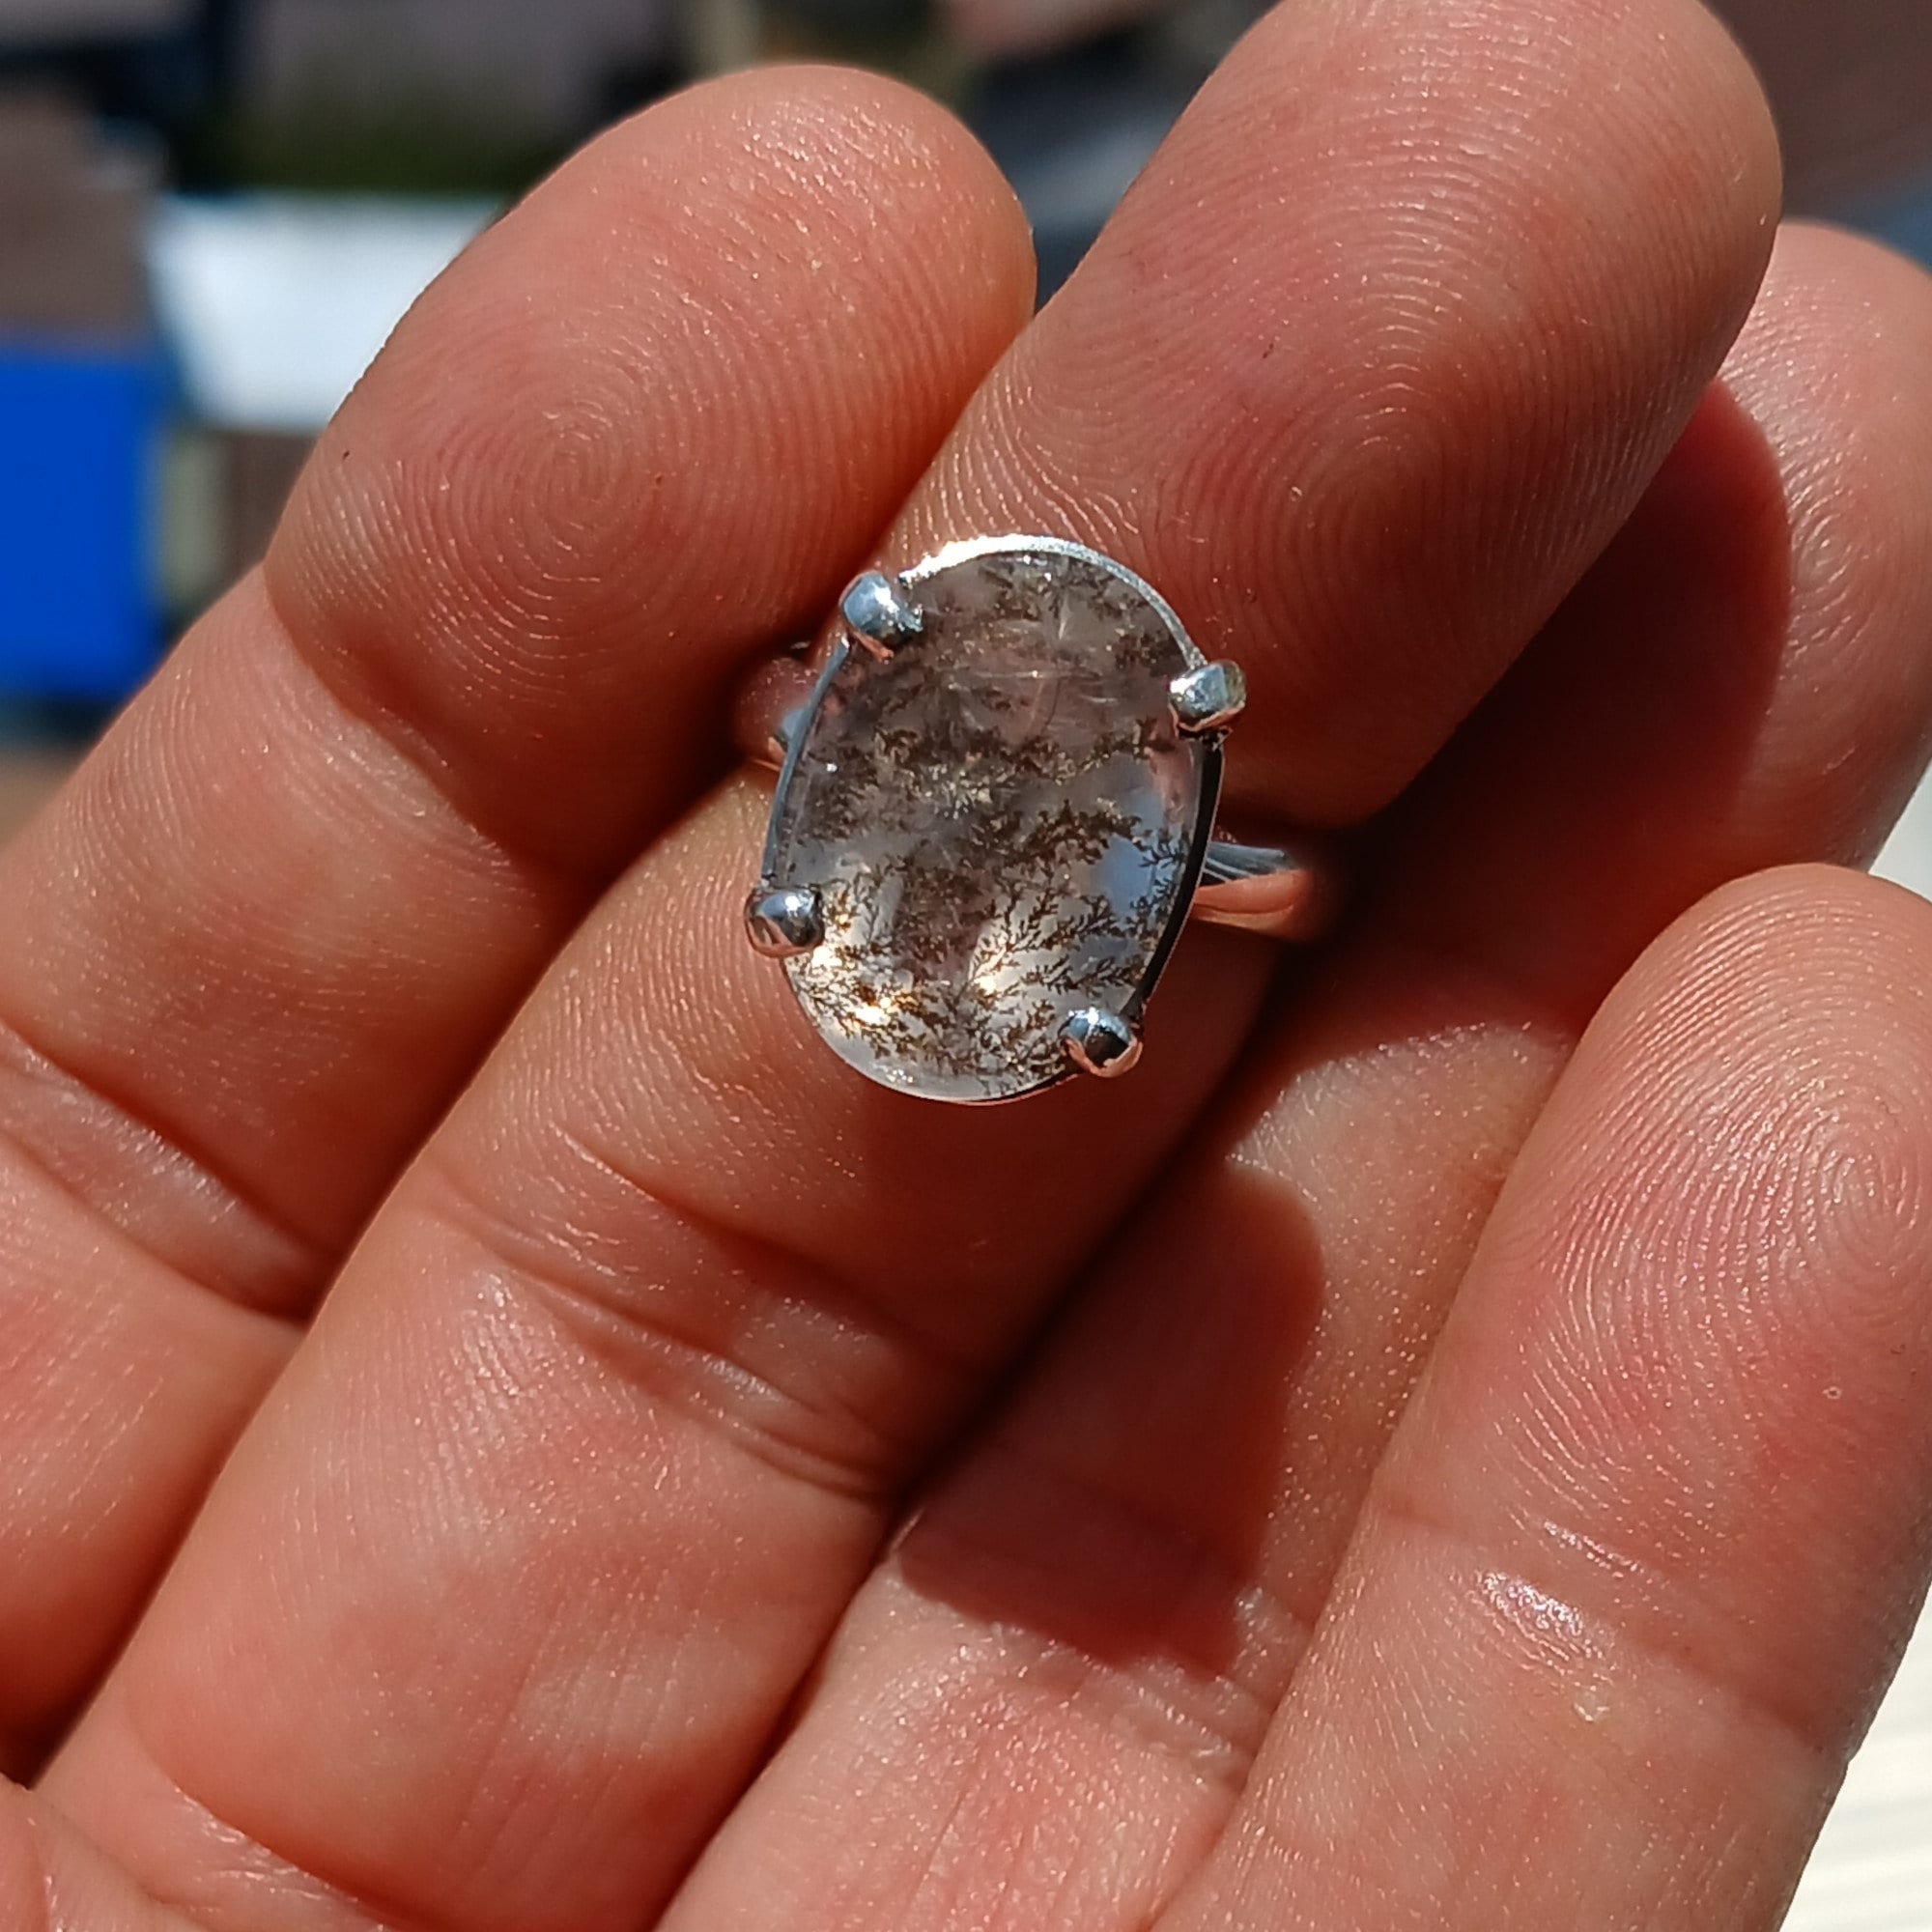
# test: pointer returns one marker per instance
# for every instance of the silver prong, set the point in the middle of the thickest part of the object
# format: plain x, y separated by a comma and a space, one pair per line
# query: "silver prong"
1208, 699
784, 920
879, 613
1102, 1043
777, 747
1287, 891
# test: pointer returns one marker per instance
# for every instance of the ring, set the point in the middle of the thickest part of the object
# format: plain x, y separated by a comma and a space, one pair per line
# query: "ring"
995, 812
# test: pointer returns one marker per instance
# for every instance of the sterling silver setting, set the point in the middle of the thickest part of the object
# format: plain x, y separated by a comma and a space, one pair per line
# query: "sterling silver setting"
879, 614
995, 813
1209, 698
786, 921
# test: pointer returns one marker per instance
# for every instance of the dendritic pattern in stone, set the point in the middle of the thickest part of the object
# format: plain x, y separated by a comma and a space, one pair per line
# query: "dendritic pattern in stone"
1001, 821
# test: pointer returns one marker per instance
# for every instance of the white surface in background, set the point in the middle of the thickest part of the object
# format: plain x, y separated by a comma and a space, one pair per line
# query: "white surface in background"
275, 304
1908, 859
1873, 1869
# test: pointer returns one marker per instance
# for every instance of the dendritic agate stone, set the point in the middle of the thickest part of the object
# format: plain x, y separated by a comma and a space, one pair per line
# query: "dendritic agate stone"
1002, 820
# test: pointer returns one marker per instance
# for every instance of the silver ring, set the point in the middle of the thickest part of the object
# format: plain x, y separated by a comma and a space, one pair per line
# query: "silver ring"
995, 813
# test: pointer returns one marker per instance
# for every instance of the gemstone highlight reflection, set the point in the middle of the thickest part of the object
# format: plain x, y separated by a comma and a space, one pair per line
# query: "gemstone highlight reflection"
1002, 821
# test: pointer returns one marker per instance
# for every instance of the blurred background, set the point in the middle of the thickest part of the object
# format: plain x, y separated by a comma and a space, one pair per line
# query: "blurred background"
212, 213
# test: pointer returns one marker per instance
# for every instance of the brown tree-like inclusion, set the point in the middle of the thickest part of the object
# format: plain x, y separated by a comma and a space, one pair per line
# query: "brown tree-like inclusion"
998, 819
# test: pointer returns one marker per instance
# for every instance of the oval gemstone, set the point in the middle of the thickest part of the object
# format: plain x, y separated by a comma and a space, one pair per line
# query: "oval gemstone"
1002, 822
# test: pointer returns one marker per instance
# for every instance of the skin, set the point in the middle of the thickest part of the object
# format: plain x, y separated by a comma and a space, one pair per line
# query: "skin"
1443, 1444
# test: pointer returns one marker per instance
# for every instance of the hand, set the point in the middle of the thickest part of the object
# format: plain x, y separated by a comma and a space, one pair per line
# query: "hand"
1475, 1472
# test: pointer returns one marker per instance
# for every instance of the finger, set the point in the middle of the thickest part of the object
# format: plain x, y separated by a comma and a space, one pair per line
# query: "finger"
1427, 383
638, 1363
284, 908
1649, 1539
1084, 1632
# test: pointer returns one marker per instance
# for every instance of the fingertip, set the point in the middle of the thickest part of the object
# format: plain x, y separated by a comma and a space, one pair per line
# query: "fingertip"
1751, 1116
906, 167
1695, 1337
1744, 151
1787, 1013
1833, 368
640, 430
1833, 363
1379, 351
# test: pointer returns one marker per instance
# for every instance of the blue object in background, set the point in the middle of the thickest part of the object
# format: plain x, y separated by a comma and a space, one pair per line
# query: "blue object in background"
1903, 218
80, 430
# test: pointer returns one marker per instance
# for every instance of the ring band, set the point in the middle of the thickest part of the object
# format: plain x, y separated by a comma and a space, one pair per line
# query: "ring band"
995, 812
